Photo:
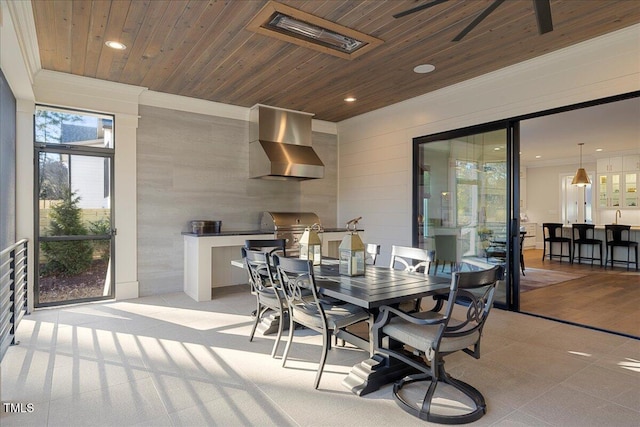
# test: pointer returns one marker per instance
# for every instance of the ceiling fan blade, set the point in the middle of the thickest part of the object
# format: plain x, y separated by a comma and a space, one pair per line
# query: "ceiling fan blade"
418, 8
478, 19
543, 15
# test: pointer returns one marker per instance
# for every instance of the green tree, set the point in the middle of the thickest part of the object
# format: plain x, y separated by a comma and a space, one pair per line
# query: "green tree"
53, 178
48, 125
67, 257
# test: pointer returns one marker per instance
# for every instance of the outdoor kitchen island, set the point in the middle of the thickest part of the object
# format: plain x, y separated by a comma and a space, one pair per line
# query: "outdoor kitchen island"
208, 256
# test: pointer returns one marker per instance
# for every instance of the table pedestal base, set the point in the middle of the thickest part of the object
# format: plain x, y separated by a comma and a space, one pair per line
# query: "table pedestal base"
371, 374
269, 324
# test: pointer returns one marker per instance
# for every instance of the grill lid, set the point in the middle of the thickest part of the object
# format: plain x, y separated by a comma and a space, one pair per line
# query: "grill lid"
274, 221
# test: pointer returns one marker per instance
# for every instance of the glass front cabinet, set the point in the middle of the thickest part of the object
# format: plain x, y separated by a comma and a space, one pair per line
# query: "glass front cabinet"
619, 189
609, 190
630, 195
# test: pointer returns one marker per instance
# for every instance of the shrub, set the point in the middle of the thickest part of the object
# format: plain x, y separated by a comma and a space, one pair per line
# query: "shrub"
101, 227
67, 257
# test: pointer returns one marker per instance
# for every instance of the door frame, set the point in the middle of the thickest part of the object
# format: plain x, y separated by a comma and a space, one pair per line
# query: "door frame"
512, 224
73, 150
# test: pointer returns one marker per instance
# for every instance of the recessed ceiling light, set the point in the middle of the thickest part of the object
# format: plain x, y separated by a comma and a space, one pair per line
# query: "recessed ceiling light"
538, 157
599, 149
115, 45
496, 149
350, 99
424, 68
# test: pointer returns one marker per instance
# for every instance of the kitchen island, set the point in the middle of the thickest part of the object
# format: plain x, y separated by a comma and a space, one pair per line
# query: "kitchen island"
208, 256
599, 233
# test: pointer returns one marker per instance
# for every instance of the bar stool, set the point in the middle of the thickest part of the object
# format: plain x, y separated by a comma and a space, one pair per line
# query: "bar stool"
552, 233
584, 234
614, 234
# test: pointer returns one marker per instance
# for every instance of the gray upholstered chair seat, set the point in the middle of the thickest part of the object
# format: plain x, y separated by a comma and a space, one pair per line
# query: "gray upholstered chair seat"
308, 308
338, 316
434, 334
421, 337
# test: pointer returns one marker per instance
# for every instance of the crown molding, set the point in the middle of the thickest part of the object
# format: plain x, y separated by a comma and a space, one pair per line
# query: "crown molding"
62, 89
21, 13
200, 106
193, 105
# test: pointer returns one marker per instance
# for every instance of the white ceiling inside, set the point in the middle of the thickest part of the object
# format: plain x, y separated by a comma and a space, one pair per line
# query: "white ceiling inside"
613, 127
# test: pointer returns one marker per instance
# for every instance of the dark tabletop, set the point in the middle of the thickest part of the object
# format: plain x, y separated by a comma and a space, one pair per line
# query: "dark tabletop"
379, 286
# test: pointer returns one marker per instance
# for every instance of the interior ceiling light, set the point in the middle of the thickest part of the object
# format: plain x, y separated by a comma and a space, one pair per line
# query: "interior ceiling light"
115, 45
599, 149
581, 179
350, 99
423, 68
303, 29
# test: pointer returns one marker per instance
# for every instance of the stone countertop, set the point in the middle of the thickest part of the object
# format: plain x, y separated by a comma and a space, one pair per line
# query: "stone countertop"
601, 226
254, 232
227, 233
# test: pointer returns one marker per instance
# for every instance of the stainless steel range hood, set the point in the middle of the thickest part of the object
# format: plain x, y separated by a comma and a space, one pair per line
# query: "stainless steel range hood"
280, 145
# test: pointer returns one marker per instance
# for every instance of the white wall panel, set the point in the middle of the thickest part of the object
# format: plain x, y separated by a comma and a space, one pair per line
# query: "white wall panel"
606, 66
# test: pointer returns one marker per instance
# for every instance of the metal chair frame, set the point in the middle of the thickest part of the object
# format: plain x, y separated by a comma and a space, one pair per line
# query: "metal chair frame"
550, 235
268, 295
614, 236
307, 309
476, 290
414, 260
272, 245
584, 234
372, 252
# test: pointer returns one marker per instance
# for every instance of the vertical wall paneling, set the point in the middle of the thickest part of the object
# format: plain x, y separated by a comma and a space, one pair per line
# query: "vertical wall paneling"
194, 166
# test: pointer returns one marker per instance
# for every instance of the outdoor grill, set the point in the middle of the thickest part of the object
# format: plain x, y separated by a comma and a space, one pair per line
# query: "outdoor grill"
288, 225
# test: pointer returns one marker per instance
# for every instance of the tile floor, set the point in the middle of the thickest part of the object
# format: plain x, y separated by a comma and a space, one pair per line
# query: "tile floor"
169, 361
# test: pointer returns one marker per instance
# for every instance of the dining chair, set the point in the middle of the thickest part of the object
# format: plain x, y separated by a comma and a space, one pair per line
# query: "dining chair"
372, 251
411, 259
268, 295
498, 250
446, 251
583, 235
618, 235
552, 233
415, 260
269, 245
434, 335
297, 278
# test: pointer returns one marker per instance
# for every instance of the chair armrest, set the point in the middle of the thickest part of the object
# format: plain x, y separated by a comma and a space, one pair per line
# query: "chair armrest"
385, 312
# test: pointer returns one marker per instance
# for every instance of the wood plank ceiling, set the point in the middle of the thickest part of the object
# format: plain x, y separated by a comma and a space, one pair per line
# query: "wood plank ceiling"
201, 49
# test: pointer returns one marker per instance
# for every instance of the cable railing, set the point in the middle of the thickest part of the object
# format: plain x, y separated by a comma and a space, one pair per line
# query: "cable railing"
13, 292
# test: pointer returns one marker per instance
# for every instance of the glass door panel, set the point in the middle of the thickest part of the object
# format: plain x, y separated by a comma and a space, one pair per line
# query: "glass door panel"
462, 202
74, 211
631, 189
615, 190
603, 193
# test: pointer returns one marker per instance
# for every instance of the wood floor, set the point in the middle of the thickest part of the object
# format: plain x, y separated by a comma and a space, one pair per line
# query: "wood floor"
605, 299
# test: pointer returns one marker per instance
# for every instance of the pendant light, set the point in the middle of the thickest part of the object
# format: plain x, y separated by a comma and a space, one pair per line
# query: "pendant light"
581, 179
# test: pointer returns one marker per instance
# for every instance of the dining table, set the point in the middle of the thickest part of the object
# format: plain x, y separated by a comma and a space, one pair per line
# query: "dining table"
377, 287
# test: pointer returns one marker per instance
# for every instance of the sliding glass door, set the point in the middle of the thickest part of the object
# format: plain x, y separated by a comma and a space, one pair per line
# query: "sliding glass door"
463, 202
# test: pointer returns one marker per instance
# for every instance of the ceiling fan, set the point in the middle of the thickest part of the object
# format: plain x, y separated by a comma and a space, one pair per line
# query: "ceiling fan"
541, 7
